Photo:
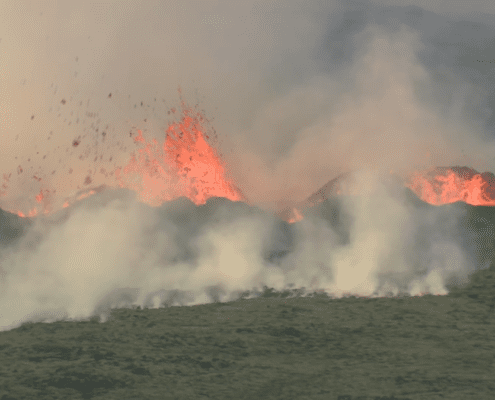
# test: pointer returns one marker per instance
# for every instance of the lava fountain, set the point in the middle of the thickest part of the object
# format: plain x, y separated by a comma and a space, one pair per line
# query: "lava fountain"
185, 165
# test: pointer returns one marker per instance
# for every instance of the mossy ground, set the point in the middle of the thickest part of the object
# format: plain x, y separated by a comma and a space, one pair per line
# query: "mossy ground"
270, 347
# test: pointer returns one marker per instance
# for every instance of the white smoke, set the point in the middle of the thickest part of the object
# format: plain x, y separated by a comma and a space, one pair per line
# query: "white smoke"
110, 250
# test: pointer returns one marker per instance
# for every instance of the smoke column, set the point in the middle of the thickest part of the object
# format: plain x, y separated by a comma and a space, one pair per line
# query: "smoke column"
297, 92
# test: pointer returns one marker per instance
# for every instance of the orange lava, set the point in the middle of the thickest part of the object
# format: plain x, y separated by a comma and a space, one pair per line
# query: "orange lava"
444, 185
185, 165
295, 216
436, 186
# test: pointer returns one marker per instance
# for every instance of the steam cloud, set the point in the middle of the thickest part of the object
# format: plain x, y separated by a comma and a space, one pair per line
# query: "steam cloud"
298, 92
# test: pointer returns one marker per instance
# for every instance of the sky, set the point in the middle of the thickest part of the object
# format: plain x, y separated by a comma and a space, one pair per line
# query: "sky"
297, 92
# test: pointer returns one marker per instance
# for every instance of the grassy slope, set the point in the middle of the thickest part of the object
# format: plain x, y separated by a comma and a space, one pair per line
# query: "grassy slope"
431, 347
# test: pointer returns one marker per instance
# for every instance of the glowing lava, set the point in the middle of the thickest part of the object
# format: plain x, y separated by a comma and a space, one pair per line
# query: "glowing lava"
436, 186
443, 185
185, 165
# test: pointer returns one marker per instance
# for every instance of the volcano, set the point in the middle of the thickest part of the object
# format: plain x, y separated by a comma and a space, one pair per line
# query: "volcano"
187, 164
448, 193
171, 218
436, 186
184, 164
192, 230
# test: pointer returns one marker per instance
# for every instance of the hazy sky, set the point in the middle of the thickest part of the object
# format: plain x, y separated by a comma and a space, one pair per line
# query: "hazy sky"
297, 91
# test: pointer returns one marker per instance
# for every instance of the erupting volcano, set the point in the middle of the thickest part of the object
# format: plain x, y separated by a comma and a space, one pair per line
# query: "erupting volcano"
187, 165
317, 178
184, 165
437, 186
